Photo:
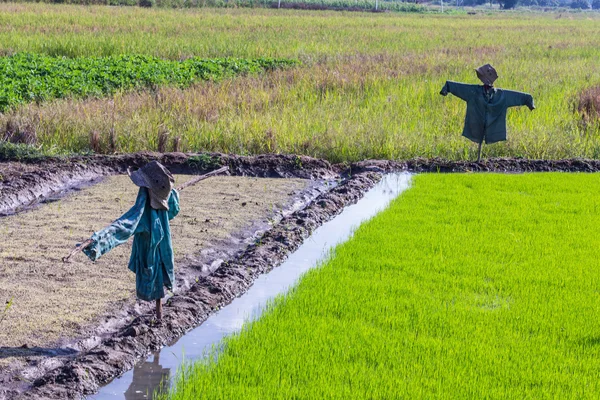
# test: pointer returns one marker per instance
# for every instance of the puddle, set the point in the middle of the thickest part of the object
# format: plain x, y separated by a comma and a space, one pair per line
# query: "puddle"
140, 382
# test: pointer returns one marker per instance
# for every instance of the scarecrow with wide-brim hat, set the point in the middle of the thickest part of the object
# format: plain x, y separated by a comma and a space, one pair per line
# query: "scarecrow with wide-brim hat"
148, 221
486, 106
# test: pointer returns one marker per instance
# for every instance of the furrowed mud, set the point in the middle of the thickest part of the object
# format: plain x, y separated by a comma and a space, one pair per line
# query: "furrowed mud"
83, 374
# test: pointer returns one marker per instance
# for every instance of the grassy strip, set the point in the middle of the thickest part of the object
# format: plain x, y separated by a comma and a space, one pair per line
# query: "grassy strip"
468, 286
36, 78
353, 5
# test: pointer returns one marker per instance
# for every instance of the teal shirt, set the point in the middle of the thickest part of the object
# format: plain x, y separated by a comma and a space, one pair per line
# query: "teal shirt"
152, 257
486, 114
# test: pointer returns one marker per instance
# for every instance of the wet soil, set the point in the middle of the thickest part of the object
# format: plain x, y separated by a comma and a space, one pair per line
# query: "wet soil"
80, 373
503, 165
84, 373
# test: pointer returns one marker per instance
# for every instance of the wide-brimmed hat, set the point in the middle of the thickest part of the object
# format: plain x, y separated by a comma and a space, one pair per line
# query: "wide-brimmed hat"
487, 74
158, 180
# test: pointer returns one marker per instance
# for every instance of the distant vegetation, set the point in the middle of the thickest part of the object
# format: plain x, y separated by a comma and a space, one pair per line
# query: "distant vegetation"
418, 6
470, 286
367, 87
351, 5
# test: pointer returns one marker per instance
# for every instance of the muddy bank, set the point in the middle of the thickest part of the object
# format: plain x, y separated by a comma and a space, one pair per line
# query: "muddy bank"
506, 165
83, 374
24, 184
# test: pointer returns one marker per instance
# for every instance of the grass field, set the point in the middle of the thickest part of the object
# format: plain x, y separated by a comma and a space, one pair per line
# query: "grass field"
468, 286
368, 86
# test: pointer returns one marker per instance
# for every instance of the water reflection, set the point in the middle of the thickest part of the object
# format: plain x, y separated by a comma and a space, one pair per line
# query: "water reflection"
147, 376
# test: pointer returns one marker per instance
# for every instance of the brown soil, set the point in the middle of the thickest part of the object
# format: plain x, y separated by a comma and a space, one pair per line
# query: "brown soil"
53, 300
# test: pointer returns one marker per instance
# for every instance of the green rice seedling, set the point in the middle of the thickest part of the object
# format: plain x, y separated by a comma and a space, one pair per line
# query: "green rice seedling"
467, 286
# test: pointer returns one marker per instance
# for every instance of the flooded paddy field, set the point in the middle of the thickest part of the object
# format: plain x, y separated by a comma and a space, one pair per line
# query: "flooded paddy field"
467, 286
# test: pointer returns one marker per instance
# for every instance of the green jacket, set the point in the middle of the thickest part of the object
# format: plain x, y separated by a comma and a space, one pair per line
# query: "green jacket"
152, 252
486, 115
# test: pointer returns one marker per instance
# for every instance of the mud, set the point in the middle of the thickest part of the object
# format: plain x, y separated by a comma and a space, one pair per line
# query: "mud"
83, 374
24, 185
503, 165
80, 372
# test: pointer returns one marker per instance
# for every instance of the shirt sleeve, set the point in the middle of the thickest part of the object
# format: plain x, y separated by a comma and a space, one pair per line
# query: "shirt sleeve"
514, 99
173, 204
461, 90
119, 231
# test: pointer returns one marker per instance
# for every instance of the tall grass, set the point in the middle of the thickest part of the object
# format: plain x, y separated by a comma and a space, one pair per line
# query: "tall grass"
368, 86
468, 286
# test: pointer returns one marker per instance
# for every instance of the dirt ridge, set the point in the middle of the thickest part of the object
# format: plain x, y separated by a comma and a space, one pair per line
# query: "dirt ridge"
53, 176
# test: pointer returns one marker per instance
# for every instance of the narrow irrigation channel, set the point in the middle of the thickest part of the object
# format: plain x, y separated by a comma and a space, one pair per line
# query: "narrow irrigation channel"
161, 366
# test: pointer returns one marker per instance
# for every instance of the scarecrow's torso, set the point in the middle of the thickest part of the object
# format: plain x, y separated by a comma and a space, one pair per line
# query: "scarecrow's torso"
486, 112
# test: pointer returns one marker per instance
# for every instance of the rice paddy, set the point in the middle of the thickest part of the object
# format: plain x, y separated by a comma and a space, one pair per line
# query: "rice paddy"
468, 286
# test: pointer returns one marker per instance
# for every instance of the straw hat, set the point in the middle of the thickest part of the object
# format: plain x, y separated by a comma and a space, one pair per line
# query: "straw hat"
487, 74
158, 180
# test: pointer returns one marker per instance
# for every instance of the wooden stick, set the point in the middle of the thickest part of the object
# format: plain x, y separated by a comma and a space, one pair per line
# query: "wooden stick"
183, 186
159, 309
77, 249
203, 177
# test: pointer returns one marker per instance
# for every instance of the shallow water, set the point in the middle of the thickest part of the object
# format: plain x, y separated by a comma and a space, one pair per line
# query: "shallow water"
140, 382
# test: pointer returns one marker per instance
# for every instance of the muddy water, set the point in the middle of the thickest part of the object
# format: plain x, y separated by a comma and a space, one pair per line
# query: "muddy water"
140, 382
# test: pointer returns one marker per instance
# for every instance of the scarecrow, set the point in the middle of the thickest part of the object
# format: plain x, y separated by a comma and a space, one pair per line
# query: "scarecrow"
148, 221
486, 106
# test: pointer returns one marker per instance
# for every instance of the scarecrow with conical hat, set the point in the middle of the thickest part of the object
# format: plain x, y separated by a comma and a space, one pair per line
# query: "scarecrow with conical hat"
148, 222
486, 106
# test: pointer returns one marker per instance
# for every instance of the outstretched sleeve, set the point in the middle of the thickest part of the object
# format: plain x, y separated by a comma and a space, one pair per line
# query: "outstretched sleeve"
461, 90
119, 231
173, 204
514, 99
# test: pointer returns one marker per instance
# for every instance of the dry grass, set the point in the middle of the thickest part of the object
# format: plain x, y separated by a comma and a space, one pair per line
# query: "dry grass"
588, 106
53, 300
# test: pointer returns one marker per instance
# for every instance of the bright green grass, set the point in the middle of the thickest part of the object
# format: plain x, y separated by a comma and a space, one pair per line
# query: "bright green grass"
468, 286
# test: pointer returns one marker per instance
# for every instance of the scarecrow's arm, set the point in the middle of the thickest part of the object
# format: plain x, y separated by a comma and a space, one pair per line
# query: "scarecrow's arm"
173, 204
119, 231
461, 90
514, 99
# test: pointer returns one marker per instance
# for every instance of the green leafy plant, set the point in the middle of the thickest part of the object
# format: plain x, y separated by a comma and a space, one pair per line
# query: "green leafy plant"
26, 77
